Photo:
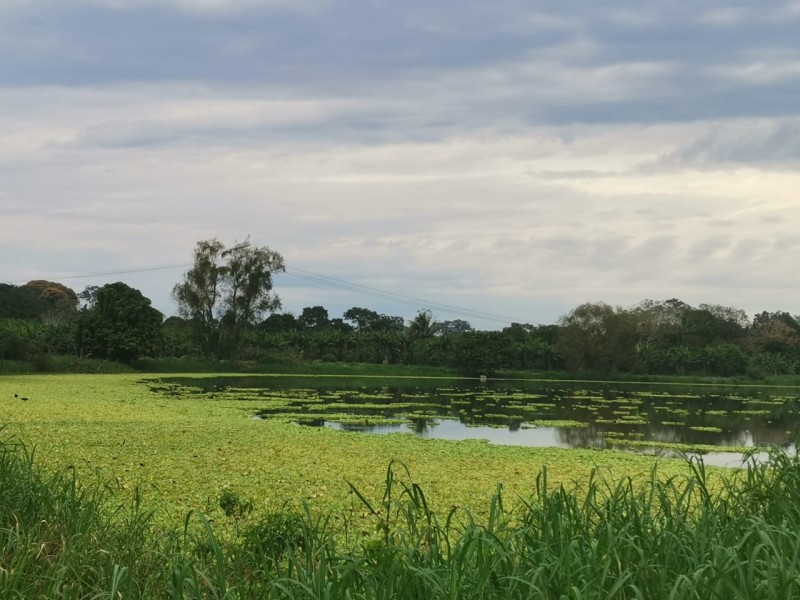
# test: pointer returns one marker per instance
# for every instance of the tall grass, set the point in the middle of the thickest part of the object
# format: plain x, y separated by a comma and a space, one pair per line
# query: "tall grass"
697, 536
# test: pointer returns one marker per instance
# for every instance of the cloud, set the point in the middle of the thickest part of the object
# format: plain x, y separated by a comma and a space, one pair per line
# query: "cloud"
504, 157
766, 141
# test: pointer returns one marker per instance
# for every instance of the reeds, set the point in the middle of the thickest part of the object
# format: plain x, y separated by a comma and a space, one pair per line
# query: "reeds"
698, 536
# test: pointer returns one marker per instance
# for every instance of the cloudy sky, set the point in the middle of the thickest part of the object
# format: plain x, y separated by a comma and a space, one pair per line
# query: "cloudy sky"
495, 161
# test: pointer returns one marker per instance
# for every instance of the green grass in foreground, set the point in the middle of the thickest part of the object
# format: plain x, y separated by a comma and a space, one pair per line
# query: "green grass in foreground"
673, 538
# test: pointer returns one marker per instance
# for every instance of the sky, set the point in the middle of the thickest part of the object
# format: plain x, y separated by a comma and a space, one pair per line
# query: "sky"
493, 161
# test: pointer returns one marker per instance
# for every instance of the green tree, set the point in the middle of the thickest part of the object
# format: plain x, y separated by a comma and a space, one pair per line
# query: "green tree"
38, 299
725, 360
773, 335
178, 338
227, 291
56, 301
598, 337
364, 319
479, 352
278, 322
422, 326
120, 325
314, 317
780, 315
455, 326
712, 324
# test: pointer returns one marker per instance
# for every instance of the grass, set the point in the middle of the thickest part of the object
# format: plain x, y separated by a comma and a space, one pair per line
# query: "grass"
676, 537
200, 365
786, 381
191, 364
47, 363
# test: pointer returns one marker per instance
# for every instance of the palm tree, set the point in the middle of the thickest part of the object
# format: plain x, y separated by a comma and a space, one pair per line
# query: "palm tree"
422, 326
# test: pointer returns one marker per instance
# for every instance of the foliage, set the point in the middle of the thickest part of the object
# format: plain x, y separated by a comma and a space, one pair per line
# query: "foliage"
597, 337
313, 317
227, 291
422, 326
37, 299
56, 300
223, 318
479, 352
364, 319
120, 325
455, 326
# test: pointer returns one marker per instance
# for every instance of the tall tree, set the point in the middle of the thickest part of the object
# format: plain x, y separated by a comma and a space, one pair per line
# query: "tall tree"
365, 319
455, 326
120, 325
226, 291
597, 337
47, 300
314, 317
422, 326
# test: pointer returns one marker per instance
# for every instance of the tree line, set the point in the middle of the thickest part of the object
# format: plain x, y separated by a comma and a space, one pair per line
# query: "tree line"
228, 310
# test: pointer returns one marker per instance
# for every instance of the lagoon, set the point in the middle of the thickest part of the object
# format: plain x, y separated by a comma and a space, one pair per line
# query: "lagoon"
719, 422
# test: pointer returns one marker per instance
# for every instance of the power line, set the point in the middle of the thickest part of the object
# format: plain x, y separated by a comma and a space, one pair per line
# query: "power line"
105, 273
320, 279
395, 297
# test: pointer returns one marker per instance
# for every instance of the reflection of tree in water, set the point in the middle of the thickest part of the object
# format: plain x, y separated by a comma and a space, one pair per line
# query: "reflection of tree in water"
684, 435
777, 433
579, 437
420, 426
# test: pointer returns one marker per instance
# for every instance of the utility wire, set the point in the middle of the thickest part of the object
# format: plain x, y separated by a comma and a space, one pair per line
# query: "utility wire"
104, 273
322, 280
395, 297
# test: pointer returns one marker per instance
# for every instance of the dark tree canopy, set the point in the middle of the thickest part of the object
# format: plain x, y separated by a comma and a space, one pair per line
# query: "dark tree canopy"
121, 325
455, 326
37, 299
314, 317
364, 319
278, 322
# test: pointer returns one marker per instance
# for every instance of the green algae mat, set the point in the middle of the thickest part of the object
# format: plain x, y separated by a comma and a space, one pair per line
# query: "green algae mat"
186, 450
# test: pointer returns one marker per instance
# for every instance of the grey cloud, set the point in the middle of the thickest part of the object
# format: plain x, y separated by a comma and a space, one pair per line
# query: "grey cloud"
657, 247
452, 146
403, 50
786, 243
741, 141
706, 248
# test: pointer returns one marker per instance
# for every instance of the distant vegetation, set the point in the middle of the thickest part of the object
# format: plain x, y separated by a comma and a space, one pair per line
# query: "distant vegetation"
229, 312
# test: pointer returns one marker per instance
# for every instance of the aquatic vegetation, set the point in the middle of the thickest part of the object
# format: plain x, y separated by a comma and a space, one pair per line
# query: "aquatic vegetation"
182, 449
556, 423
184, 442
681, 447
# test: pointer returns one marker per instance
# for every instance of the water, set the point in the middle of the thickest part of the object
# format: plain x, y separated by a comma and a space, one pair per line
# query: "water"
645, 418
